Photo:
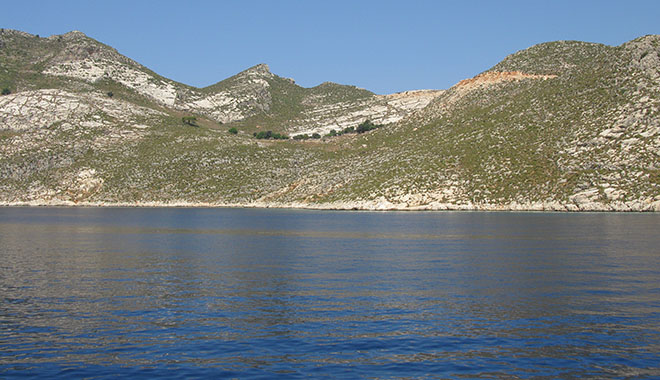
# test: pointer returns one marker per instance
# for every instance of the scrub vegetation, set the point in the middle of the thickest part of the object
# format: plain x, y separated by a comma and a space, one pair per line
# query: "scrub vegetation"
560, 126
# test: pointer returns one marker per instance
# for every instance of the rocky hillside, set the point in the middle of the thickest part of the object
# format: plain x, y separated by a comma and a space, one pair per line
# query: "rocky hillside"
559, 126
255, 97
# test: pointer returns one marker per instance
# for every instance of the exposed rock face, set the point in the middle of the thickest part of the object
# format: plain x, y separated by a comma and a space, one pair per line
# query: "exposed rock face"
494, 77
85, 184
247, 95
380, 109
39, 109
43, 108
92, 70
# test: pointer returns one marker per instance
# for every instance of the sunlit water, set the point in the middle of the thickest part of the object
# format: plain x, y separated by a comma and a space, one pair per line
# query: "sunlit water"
188, 293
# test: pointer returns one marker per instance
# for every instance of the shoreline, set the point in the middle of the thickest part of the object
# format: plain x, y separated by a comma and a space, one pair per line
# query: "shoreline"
360, 206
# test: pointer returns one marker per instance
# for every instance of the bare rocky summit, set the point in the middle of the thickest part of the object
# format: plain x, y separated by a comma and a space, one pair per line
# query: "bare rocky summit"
562, 126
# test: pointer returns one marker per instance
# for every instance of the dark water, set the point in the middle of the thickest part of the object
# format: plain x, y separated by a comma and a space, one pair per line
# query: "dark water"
189, 293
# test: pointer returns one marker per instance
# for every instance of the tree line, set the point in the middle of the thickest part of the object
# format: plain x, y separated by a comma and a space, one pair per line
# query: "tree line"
363, 127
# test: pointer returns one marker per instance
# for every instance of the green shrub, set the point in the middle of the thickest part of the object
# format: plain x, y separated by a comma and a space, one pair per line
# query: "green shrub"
190, 120
263, 135
110, 94
6, 91
233, 131
366, 126
316, 136
270, 135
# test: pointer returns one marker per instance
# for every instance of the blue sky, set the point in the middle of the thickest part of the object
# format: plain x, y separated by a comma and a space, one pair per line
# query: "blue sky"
384, 46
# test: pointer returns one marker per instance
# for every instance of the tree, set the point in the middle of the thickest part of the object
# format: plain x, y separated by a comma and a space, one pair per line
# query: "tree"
366, 126
271, 135
110, 94
233, 130
264, 135
6, 91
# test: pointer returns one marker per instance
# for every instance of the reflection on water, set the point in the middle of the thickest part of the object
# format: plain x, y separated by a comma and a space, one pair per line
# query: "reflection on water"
268, 293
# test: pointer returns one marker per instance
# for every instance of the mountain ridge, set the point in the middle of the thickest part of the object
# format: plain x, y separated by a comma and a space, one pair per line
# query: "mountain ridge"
248, 93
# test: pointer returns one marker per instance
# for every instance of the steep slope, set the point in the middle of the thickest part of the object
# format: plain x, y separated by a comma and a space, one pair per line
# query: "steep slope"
77, 63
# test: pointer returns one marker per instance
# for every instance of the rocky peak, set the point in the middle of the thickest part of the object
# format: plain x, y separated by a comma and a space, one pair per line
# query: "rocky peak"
79, 47
8, 36
647, 40
260, 69
12, 32
73, 35
552, 58
332, 85
644, 46
645, 54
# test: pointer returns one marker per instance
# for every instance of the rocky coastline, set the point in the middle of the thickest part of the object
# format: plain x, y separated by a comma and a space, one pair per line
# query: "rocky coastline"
381, 205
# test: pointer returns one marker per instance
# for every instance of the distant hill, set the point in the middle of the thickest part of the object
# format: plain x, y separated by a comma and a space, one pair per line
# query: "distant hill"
563, 125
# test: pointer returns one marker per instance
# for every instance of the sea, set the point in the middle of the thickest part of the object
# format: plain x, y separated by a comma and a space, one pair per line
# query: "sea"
186, 293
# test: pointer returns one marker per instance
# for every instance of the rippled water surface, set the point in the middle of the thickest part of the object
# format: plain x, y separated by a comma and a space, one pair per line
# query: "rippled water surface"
188, 293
